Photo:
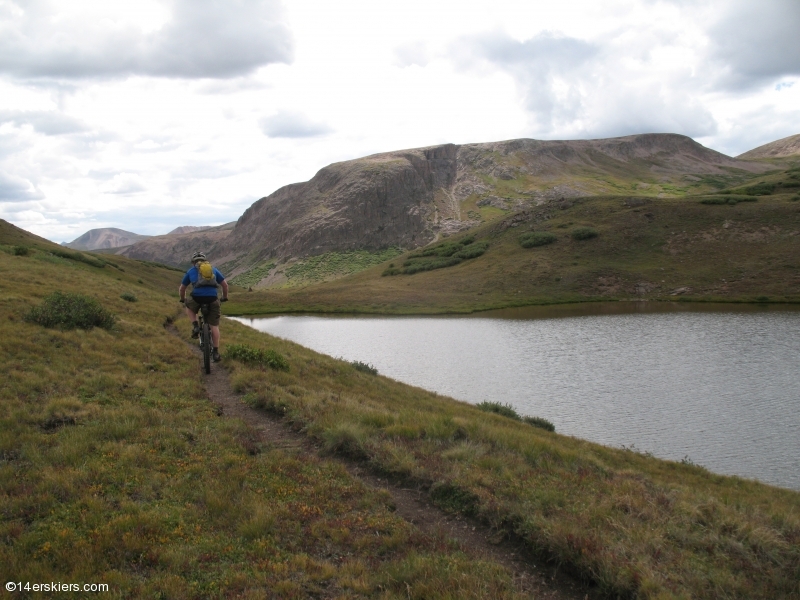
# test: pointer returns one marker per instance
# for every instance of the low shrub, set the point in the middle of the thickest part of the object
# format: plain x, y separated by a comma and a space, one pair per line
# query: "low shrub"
259, 356
446, 254
79, 257
129, 297
536, 238
471, 250
732, 200
70, 311
364, 367
760, 189
20, 251
505, 410
540, 423
584, 233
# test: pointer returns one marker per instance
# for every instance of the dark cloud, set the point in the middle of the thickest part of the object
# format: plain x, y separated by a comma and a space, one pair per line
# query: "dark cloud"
203, 39
46, 122
17, 189
288, 124
755, 43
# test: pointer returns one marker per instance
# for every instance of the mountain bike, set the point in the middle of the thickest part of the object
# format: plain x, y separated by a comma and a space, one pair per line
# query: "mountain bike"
205, 336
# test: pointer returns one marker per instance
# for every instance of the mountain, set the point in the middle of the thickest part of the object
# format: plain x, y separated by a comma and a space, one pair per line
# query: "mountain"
409, 198
405, 199
176, 249
788, 146
106, 237
187, 229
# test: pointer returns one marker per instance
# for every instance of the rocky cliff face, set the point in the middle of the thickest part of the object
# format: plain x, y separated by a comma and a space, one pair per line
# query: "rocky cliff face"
370, 203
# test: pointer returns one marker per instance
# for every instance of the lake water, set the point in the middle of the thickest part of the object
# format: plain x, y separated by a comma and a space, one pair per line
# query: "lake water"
720, 387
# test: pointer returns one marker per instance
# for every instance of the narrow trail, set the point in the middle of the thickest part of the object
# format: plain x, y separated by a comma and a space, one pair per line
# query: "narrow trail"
532, 576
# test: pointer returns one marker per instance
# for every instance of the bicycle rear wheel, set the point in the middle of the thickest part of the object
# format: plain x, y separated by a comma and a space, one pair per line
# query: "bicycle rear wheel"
206, 333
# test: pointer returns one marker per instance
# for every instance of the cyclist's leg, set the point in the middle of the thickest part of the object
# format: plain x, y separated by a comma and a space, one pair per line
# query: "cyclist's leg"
214, 315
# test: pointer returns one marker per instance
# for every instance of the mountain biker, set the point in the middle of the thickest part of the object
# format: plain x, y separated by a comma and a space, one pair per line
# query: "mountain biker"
204, 294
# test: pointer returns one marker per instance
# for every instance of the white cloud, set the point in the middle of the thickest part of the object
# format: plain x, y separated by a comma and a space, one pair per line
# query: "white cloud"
155, 114
46, 122
124, 184
201, 38
290, 124
412, 53
17, 189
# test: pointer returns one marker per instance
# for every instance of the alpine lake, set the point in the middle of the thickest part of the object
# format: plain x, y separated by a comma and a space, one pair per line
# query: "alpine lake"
717, 385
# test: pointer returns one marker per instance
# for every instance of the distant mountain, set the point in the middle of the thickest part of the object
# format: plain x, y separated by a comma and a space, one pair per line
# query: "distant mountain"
176, 249
106, 237
187, 229
788, 146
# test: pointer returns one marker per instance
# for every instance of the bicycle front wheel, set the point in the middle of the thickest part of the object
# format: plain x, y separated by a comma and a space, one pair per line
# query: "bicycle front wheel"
206, 333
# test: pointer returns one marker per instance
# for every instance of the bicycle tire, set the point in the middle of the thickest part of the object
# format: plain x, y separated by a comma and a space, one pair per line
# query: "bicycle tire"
206, 333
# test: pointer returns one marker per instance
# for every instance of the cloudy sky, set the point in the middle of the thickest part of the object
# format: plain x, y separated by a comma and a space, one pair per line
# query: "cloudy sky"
152, 114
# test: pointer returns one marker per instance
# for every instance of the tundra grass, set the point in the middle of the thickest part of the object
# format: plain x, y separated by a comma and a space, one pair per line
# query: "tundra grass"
635, 525
116, 469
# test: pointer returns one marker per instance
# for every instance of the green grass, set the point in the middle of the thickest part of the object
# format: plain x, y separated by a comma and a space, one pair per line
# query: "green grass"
115, 468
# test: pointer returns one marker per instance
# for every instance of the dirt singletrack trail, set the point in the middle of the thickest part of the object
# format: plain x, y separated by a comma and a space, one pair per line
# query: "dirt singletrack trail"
532, 576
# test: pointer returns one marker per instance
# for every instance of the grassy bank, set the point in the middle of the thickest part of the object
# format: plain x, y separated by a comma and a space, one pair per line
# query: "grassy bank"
116, 469
658, 249
636, 525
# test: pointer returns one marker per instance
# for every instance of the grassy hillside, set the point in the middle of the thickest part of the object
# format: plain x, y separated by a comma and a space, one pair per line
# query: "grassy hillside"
741, 244
116, 469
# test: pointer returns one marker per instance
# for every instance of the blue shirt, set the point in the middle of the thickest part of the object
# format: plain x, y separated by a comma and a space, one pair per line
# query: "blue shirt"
192, 276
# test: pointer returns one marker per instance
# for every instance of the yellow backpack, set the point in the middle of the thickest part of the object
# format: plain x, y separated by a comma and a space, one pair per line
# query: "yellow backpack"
205, 275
